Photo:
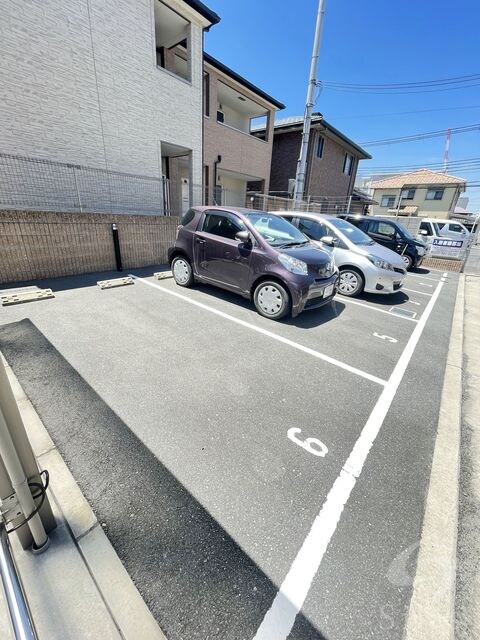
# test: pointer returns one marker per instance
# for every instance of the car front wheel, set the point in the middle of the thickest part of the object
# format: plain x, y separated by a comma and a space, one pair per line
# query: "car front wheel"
271, 300
407, 261
182, 271
350, 283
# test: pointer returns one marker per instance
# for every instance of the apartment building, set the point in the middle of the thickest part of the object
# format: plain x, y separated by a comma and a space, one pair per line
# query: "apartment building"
112, 88
234, 157
418, 193
332, 161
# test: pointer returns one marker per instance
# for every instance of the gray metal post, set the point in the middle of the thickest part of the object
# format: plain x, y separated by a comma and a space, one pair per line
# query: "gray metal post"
19, 482
16, 428
307, 122
20, 616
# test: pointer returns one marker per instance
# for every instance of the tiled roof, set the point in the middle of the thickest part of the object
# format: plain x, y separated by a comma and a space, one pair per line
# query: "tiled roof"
422, 176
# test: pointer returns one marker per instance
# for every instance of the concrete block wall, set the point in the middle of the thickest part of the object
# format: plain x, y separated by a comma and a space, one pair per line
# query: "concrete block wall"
36, 245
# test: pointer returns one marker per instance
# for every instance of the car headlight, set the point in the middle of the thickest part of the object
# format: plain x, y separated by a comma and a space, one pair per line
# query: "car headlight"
293, 264
381, 264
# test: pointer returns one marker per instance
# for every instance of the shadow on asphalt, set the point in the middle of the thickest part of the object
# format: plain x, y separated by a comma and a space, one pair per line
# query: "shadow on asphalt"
194, 577
306, 320
83, 280
386, 300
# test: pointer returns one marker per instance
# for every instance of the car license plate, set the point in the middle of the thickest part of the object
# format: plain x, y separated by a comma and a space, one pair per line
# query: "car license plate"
328, 291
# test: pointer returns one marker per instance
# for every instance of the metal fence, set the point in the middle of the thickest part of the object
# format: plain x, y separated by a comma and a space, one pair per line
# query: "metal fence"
43, 185
321, 204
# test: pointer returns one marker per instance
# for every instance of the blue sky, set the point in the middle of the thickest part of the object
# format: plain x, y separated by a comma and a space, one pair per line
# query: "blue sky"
364, 41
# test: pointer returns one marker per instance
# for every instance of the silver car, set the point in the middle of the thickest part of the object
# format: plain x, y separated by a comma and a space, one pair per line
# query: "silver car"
364, 264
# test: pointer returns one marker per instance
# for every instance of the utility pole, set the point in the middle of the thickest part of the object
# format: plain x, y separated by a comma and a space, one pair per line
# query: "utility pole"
307, 121
447, 148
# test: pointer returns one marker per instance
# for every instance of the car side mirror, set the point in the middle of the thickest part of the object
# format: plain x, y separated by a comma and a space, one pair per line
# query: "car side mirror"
328, 240
423, 232
243, 237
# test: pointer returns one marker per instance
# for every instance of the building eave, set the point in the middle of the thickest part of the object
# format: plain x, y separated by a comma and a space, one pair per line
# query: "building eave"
216, 64
317, 122
212, 17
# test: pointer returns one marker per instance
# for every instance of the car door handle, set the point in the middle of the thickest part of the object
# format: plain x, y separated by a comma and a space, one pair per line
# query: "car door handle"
200, 241
227, 254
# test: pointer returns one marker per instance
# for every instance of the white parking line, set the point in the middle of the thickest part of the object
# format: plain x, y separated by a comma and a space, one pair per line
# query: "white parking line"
422, 293
368, 306
425, 284
279, 620
265, 332
415, 275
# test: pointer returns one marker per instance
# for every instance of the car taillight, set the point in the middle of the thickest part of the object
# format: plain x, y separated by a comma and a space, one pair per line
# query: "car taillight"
178, 229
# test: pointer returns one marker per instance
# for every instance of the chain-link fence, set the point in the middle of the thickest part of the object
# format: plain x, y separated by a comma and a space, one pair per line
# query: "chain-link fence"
43, 185
31, 183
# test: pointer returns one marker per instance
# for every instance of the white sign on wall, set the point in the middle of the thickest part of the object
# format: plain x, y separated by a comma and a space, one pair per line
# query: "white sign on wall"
447, 248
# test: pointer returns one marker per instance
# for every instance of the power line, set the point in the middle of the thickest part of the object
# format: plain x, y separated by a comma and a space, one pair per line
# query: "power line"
401, 113
450, 80
421, 136
427, 86
454, 165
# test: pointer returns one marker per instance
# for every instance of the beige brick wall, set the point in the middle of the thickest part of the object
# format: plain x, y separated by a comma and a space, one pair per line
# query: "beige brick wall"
35, 245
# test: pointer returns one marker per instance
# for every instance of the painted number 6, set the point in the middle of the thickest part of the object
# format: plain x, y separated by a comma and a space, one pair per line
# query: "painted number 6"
312, 445
383, 337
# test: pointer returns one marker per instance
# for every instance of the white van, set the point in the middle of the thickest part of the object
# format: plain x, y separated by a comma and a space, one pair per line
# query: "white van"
428, 230
443, 240
454, 229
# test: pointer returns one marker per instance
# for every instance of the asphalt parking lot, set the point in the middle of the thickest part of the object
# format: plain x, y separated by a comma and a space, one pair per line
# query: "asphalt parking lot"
184, 416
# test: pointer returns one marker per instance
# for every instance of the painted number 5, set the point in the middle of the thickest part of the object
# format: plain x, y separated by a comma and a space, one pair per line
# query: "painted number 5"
312, 445
383, 337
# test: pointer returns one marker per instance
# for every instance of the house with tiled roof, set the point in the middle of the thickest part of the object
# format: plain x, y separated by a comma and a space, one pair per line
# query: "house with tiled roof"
418, 193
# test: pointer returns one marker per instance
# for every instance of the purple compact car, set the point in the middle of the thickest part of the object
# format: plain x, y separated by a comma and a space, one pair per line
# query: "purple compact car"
256, 254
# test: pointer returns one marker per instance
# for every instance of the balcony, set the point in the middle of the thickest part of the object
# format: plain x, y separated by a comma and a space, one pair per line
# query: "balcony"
172, 41
237, 111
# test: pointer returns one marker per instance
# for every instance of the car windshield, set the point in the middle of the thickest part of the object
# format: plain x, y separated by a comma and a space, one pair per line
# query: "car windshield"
351, 232
275, 230
406, 233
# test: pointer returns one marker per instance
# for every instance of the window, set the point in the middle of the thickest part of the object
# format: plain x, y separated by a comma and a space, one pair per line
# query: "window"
348, 164
382, 228
206, 94
220, 116
425, 226
276, 231
223, 225
434, 194
408, 194
388, 201
455, 227
320, 145
172, 40
187, 217
313, 229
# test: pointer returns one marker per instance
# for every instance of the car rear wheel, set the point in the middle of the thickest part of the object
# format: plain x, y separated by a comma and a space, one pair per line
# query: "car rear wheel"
271, 300
182, 271
407, 261
350, 283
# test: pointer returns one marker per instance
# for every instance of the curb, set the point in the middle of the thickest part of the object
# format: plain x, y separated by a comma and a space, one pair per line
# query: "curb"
126, 606
431, 614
